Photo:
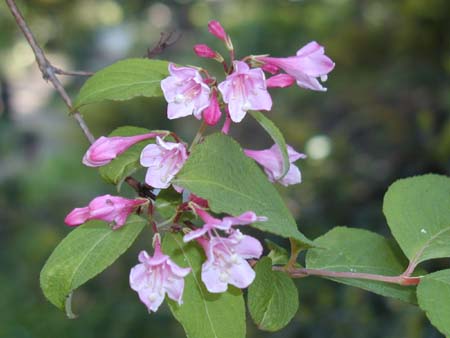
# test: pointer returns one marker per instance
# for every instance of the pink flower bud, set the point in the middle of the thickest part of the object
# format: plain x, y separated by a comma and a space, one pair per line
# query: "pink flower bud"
280, 81
272, 69
105, 149
107, 208
212, 114
204, 51
216, 29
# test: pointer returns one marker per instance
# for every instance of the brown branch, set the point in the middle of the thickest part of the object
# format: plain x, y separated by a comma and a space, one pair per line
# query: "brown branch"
49, 73
300, 273
72, 72
47, 69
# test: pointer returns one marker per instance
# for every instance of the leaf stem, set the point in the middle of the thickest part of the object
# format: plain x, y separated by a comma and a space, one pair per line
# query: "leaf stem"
302, 272
199, 135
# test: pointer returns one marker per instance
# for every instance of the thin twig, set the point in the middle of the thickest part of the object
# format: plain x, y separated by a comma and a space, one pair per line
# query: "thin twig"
164, 42
47, 69
300, 273
49, 73
72, 72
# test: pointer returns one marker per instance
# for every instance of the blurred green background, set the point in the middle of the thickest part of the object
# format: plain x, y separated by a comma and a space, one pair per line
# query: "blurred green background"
385, 116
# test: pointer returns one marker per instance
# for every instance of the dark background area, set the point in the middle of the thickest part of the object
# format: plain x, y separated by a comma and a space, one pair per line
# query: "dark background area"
385, 116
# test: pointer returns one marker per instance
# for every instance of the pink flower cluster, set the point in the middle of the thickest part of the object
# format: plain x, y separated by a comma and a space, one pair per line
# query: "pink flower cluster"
245, 87
193, 91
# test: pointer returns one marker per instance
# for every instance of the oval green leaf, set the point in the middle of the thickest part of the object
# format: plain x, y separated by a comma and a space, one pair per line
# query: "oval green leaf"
123, 80
218, 171
84, 253
433, 294
276, 136
417, 210
358, 250
203, 314
272, 297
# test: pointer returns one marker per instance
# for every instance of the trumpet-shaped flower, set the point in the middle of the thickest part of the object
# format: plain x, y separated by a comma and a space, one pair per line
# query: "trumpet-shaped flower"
105, 208
306, 67
245, 89
227, 261
185, 91
155, 276
272, 161
164, 160
224, 224
105, 149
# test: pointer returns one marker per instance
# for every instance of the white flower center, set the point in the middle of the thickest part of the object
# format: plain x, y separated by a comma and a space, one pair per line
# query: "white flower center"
223, 277
179, 98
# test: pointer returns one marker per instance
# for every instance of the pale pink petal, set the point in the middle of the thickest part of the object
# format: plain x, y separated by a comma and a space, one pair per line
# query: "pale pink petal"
293, 176
177, 270
241, 274
246, 246
311, 47
211, 277
195, 234
175, 288
151, 299
177, 110
138, 277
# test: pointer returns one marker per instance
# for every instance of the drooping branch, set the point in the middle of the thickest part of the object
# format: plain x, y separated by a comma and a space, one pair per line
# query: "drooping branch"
47, 69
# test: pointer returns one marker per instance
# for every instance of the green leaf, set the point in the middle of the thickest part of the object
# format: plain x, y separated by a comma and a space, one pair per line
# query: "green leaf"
218, 171
277, 254
277, 137
167, 202
203, 314
433, 294
124, 80
417, 210
358, 250
84, 253
272, 297
128, 162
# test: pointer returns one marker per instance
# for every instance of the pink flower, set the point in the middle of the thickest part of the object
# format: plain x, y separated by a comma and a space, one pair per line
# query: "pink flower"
280, 81
155, 276
272, 161
309, 64
212, 114
226, 261
216, 29
164, 160
245, 89
185, 91
105, 208
105, 149
224, 224
204, 51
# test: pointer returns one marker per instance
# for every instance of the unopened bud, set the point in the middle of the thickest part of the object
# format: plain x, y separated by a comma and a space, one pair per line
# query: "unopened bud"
212, 114
216, 29
204, 51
